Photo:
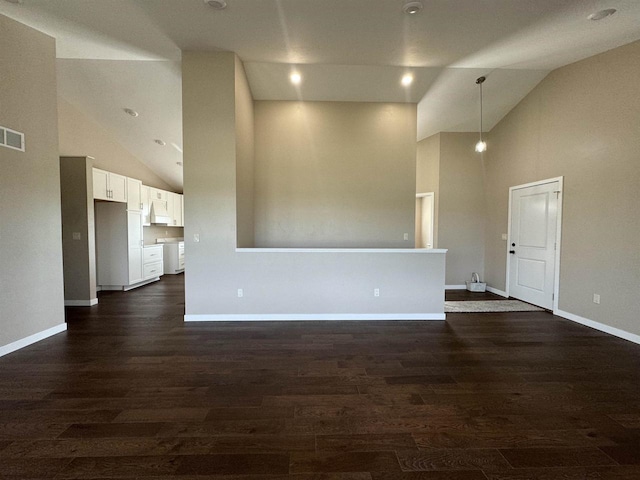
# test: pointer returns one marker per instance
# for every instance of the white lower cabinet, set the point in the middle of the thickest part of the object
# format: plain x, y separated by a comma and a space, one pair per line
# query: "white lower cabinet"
152, 262
174, 258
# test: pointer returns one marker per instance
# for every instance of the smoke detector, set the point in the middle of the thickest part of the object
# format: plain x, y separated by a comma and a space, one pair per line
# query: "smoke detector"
411, 8
217, 4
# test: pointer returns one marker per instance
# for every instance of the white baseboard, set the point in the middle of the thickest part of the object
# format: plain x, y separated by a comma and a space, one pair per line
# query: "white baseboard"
632, 337
31, 339
81, 303
455, 287
312, 316
497, 292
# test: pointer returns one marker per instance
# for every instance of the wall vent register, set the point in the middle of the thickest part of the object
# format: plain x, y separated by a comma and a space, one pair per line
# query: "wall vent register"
11, 139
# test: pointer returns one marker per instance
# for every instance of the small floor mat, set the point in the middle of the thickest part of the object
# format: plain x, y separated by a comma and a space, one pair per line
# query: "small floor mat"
490, 306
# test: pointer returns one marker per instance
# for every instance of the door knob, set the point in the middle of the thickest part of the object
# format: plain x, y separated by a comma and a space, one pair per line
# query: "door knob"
512, 252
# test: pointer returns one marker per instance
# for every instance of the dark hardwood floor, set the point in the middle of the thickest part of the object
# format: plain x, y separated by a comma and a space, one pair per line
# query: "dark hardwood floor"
131, 392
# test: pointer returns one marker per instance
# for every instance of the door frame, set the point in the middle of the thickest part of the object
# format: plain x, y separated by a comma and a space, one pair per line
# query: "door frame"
433, 212
556, 274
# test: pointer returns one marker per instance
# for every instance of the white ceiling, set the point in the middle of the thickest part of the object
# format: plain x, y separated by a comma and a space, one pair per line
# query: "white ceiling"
349, 50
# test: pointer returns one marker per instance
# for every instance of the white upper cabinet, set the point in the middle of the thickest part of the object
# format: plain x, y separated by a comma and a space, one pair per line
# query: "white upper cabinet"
157, 194
174, 206
100, 184
177, 210
109, 186
134, 195
146, 206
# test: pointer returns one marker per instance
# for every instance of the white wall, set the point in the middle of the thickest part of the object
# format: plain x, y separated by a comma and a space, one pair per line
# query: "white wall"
31, 283
581, 122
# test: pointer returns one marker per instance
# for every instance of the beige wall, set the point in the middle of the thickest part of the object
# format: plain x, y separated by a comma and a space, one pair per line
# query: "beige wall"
461, 209
276, 283
81, 136
79, 255
31, 284
581, 122
334, 174
245, 154
428, 174
448, 165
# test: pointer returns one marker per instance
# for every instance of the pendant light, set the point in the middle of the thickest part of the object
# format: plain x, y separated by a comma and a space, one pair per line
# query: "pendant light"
481, 146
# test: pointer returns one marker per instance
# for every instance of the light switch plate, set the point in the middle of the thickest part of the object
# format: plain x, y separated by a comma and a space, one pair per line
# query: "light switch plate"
196, 237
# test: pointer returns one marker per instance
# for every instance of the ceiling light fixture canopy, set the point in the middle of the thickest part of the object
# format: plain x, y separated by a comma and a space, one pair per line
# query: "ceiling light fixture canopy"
481, 146
602, 14
407, 79
217, 4
131, 112
411, 8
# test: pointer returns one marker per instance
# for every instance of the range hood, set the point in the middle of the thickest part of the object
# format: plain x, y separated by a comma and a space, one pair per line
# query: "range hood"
159, 214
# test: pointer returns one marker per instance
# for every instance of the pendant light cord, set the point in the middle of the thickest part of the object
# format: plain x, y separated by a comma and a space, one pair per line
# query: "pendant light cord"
480, 81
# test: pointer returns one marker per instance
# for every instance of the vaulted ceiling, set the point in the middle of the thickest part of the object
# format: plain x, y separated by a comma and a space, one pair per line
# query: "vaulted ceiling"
126, 53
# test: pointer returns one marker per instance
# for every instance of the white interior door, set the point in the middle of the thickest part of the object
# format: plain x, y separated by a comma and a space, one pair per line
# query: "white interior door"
532, 243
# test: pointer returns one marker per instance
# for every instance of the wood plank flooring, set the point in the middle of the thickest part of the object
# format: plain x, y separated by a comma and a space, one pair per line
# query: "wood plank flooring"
131, 392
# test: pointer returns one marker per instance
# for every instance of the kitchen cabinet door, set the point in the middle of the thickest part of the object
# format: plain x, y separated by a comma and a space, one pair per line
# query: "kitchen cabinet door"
135, 246
177, 210
146, 210
100, 184
134, 195
118, 187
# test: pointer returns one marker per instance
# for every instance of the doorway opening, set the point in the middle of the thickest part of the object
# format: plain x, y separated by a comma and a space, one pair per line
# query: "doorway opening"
425, 212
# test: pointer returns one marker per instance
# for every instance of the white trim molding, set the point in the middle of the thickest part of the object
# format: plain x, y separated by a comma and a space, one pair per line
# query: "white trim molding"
342, 250
81, 303
502, 293
31, 339
455, 287
632, 337
271, 317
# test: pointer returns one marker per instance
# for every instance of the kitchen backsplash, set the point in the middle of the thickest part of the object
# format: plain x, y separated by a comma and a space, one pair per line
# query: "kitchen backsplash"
160, 231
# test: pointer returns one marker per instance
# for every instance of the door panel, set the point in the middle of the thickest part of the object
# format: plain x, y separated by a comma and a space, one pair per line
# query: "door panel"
533, 223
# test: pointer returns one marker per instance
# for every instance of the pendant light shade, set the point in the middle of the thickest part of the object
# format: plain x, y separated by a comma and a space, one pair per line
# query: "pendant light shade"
481, 146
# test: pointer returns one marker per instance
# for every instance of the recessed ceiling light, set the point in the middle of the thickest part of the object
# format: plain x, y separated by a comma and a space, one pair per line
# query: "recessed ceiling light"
296, 78
411, 8
407, 80
162, 143
133, 113
217, 4
602, 14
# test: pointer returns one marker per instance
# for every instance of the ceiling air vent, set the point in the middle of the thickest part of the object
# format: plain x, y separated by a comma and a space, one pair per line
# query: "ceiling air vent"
11, 139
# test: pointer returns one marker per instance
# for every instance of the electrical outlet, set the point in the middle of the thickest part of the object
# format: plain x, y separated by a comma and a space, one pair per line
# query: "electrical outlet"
77, 236
596, 298
376, 292
406, 236
240, 293
196, 237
